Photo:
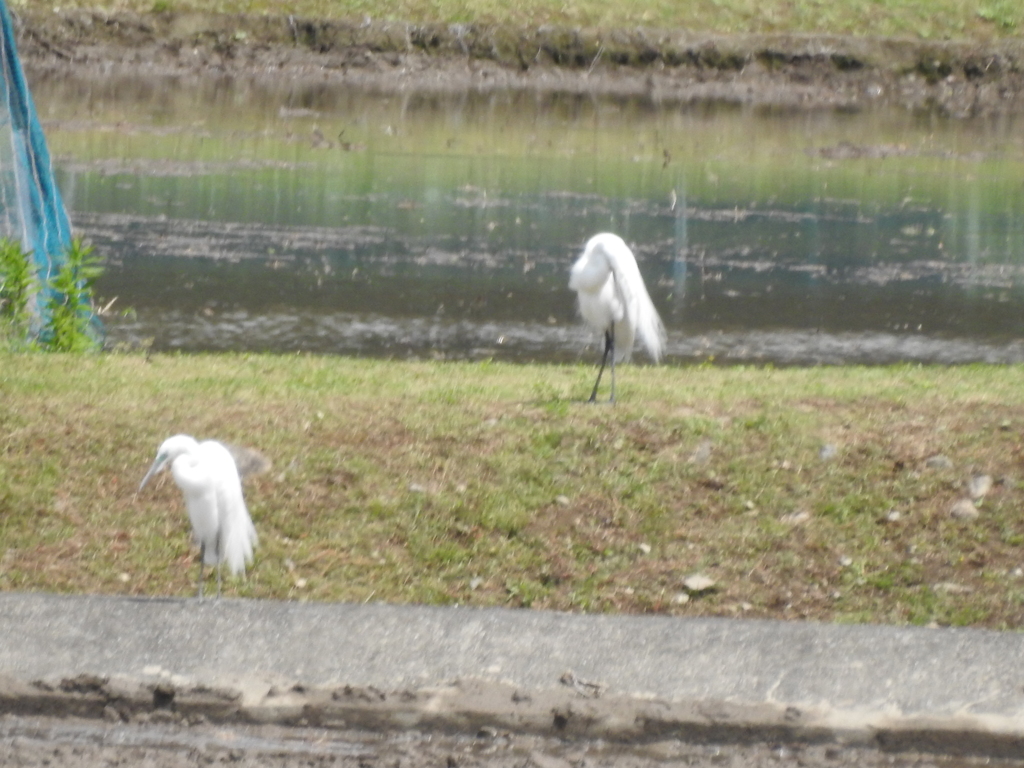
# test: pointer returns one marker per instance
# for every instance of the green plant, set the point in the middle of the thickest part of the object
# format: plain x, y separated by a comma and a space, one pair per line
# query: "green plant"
69, 317
15, 286
1002, 13
69, 307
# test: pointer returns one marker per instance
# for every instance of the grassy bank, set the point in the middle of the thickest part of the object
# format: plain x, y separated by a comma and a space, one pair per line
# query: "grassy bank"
932, 19
802, 493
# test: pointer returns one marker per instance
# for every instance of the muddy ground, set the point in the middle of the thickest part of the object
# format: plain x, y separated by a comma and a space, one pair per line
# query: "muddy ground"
34, 742
782, 71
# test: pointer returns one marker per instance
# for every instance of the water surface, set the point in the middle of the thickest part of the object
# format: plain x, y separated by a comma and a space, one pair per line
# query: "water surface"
329, 220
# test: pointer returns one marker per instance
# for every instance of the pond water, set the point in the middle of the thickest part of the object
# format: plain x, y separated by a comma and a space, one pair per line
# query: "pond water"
238, 216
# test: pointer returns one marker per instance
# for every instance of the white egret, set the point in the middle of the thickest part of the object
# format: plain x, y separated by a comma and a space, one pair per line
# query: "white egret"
614, 301
209, 480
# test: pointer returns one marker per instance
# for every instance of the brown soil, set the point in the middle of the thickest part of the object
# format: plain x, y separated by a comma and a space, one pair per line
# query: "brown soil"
780, 71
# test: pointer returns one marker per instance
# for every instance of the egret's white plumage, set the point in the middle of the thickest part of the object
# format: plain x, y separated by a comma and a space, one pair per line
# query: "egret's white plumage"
614, 301
207, 476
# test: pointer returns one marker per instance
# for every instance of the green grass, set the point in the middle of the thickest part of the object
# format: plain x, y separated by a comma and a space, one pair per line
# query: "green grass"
492, 484
931, 19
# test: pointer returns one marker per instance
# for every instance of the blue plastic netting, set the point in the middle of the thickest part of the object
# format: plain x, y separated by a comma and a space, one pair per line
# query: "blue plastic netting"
31, 208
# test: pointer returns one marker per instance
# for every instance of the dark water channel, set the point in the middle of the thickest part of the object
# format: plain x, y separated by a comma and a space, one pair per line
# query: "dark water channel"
241, 217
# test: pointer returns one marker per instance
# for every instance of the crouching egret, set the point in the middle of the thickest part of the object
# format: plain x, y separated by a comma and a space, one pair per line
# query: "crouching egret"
208, 478
614, 301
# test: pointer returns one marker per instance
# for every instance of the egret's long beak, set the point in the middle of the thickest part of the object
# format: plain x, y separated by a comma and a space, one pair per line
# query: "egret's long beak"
157, 466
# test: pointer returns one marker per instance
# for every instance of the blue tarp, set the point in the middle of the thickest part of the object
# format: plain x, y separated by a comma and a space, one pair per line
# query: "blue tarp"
31, 208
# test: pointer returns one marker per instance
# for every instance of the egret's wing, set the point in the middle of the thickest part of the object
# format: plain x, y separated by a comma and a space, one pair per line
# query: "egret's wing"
640, 314
237, 533
650, 328
625, 328
236, 536
592, 278
192, 474
248, 461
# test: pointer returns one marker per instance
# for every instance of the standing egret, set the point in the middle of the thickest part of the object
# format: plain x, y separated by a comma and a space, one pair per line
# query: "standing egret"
614, 301
208, 478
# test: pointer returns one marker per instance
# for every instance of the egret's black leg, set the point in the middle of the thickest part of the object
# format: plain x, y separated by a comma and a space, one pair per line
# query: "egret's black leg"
608, 343
220, 550
611, 351
202, 561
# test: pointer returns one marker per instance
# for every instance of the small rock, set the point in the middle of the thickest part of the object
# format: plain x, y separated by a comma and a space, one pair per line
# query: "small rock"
796, 518
953, 589
124, 578
698, 582
964, 509
893, 516
417, 488
745, 606
540, 760
475, 582
702, 453
645, 548
846, 561
827, 451
1005, 425
300, 583
1017, 572
938, 462
680, 599
562, 501
749, 505
978, 486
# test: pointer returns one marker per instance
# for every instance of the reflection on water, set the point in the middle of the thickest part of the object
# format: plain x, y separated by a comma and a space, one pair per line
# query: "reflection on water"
235, 217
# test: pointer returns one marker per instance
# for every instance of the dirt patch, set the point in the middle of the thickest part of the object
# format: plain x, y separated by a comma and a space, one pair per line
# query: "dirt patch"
74, 743
783, 71
90, 720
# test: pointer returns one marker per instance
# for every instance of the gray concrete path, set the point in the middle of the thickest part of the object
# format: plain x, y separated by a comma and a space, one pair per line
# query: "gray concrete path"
460, 669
